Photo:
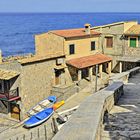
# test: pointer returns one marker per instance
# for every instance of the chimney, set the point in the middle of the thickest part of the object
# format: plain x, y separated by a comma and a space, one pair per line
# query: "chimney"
87, 28
0, 56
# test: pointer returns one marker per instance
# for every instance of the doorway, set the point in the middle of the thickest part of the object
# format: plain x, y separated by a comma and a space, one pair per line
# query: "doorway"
85, 73
15, 111
57, 77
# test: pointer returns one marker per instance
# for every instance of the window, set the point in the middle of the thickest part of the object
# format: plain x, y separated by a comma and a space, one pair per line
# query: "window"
133, 42
93, 46
71, 49
109, 42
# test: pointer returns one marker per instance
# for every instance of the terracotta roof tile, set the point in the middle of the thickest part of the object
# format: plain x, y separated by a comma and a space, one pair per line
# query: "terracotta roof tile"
134, 30
73, 33
88, 61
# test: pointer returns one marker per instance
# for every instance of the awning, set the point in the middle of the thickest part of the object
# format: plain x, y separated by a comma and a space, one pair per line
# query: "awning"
8, 74
88, 61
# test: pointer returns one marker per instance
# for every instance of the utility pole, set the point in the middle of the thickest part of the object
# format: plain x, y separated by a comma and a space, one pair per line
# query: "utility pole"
96, 78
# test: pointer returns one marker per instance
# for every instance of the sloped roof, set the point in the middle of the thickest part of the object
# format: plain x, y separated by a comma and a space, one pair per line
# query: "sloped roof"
134, 30
39, 58
88, 61
112, 24
8, 74
74, 33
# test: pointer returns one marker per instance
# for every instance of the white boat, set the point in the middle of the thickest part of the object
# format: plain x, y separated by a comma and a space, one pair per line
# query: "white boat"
46, 103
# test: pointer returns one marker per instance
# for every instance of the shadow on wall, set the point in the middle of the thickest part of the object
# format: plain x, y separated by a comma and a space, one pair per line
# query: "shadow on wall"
116, 68
125, 66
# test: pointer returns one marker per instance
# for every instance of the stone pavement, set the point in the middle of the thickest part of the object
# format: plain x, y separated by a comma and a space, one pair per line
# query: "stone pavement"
6, 123
79, 97
76, 99
123, 121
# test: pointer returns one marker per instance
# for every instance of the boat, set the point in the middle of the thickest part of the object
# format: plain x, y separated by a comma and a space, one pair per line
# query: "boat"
39, 118
46, 103
58, 104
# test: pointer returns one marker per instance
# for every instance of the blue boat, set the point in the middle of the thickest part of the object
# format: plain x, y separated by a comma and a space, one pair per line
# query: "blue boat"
46, 103
39, 118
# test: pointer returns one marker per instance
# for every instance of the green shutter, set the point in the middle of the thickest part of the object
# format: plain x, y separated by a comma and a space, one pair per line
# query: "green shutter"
133, 42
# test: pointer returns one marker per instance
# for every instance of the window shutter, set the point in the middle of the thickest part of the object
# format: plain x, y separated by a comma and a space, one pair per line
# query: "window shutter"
133, 42
109, 41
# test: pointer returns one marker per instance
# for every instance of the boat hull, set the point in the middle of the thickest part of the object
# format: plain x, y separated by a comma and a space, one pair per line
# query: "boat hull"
39, 118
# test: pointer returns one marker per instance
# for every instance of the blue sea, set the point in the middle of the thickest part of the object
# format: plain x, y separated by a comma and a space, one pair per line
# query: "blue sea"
17, 30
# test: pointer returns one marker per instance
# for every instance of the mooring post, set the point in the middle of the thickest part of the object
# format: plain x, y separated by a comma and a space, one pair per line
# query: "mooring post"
45, 132
31, 136
23, 136
38, 132
55, 127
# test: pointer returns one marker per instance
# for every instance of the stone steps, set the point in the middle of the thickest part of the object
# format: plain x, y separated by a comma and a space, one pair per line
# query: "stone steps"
120, 135
124, 119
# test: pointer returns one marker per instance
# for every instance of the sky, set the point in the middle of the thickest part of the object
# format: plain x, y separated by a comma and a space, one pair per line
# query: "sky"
69, 5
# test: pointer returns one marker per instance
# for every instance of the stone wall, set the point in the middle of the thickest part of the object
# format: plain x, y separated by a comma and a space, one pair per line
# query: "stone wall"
119, 48
65, 91
124, 76
36, 83
130, 51
116, 32
86, 122
48, 44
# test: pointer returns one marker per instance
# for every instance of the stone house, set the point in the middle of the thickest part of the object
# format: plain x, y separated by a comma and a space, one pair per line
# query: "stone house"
120, 40
23, 83
78, 46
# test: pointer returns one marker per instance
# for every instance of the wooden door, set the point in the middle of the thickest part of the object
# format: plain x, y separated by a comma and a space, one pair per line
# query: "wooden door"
15, 111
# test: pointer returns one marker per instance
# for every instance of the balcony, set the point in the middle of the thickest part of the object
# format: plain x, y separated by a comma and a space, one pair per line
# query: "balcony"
10, 95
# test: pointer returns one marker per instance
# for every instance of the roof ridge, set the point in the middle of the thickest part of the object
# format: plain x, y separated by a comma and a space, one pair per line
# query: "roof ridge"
77, 32
66, 29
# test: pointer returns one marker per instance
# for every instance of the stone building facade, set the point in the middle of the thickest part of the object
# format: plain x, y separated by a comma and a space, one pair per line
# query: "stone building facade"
114, 42
74, 44
132, 41
37, 77
61, 41
48, 44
